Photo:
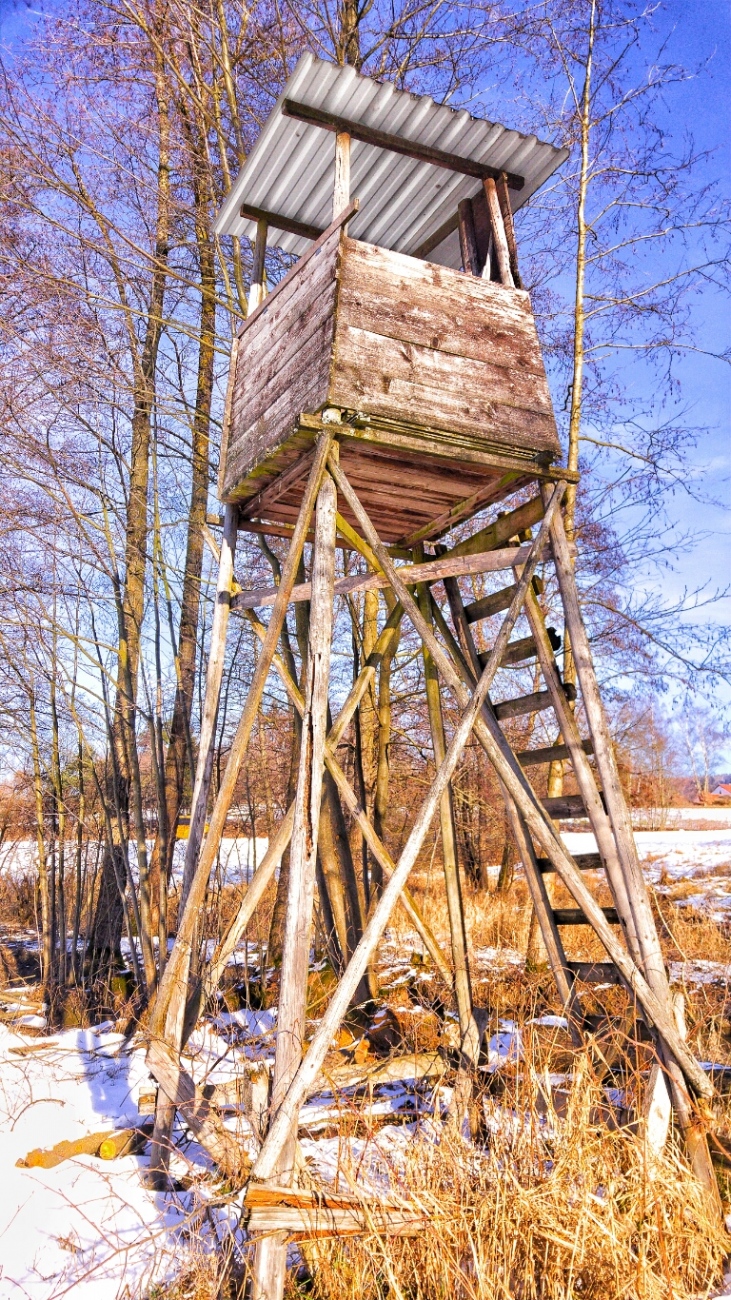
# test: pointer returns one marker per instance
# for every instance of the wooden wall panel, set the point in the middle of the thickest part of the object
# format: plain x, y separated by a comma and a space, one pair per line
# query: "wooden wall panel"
282, 365
423, 344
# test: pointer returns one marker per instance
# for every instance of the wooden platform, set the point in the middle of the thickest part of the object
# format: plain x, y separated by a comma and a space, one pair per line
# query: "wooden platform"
438, 374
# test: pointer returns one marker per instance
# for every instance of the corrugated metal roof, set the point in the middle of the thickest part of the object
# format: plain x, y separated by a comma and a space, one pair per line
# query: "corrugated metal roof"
403, 201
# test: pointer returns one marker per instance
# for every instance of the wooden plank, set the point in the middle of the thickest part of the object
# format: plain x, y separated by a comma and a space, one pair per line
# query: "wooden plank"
392, 377
265, 367
584, 861
575, 916
299, 265
301, 383
197, 1112
395, 143
278, 222
400, 297
549, 754
314, 1215
431, 571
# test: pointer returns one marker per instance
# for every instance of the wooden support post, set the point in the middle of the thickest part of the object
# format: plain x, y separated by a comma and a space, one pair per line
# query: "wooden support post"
500, 243
647, 936
540, 827
468, 239
341, 188
257, 291
469, 1033
168, 1013
503, 193
271, 1255
278, 1135
165, 1110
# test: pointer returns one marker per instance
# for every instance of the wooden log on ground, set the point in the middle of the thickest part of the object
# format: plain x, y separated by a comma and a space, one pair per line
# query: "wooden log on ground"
108, 1145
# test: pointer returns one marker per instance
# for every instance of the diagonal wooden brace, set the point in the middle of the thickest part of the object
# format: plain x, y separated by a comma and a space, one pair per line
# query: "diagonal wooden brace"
280, 1129
488, 732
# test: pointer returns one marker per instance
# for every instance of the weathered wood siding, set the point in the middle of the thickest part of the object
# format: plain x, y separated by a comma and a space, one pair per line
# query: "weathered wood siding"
444, 361
426, 345
282, 364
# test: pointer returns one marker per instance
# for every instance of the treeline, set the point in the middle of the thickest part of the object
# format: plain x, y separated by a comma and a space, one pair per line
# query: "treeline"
122, 125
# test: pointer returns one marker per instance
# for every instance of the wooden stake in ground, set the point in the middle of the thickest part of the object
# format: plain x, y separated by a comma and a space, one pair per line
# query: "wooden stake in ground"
271, 1254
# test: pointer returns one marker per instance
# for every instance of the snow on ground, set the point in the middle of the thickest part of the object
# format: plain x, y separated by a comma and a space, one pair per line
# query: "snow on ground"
90, 1228
81, 1227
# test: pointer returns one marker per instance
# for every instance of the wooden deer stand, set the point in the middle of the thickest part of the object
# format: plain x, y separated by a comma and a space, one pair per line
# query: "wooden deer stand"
386, 398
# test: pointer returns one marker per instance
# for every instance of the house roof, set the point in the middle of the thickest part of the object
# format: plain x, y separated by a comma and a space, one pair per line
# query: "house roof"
406, 202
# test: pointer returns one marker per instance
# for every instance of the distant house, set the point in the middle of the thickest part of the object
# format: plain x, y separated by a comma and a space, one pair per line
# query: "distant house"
722, 792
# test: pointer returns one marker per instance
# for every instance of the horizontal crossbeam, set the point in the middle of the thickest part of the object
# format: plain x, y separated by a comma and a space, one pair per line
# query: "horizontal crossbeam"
396, 144
448, 566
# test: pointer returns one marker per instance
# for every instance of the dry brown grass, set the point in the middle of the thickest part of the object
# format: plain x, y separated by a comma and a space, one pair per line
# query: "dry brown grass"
584, 1214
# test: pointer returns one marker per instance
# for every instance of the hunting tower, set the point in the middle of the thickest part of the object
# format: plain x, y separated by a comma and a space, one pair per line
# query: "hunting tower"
388, 388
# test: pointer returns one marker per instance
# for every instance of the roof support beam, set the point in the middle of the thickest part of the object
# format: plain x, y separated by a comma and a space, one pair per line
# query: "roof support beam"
278, 222
396, 144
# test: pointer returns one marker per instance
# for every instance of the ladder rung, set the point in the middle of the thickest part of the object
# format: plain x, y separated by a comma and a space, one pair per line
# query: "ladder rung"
534, 703
550, 754
515, 653
584, 861
595, 972
497, 601
575, 916
566, 805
